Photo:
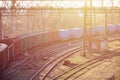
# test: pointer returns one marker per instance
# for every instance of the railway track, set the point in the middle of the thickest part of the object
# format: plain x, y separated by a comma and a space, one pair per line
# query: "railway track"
82, 68
50, 51
22, 64
46, 69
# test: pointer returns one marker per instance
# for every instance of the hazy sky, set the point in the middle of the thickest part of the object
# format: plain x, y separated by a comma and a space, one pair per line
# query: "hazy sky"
65, 3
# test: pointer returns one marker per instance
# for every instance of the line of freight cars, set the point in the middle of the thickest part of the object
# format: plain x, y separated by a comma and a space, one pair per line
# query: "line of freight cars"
26, 41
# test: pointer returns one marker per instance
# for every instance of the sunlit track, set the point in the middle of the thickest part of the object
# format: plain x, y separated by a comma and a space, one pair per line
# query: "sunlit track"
50, 65
113, 38
94, 64
54, 65
77, 69
51, 51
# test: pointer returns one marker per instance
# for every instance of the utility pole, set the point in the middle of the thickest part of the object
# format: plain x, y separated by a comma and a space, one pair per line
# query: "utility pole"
105, 19
0, 25
85, 28
105, 24
90, 37
113, 15
106, 15
28, 20
12, 8
106, 31
59, 19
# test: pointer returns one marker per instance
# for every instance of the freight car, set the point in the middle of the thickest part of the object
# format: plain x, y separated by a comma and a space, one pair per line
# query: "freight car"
3, 56
65, 34
118, 28
112, 28
77, 32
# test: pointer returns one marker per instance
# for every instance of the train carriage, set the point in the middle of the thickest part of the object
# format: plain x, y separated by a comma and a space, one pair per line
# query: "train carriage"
45, 37
94, 30
33, 39
4, 58
24, 41
16, 46
100, 30
55, 36
77, 32
118, 28
65, 34
112, 28
50, 36
40, 37
9, 42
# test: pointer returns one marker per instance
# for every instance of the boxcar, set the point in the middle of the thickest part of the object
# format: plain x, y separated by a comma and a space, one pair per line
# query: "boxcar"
4, 56
25, 42
9, 42
65, 34
77, 32
118, 28
112, 28
100, 30
40, 37
16, 46
33, 40
50, 36
45, 37
55, 35
94, 30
